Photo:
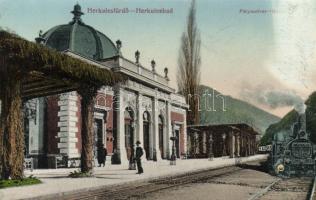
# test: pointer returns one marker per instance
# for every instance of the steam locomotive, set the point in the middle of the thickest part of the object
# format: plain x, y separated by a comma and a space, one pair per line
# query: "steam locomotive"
292, 151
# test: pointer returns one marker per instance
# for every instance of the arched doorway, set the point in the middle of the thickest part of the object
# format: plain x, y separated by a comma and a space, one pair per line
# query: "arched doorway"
161, 137
146, 129
129, 131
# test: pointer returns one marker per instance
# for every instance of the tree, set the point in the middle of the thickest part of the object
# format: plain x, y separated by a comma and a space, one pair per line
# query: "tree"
87, 94
189, 62
11, 129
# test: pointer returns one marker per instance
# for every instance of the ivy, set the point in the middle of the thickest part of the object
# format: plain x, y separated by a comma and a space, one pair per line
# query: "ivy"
30, 57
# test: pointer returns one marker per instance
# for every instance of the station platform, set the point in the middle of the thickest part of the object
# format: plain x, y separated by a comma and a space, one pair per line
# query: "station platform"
56, 181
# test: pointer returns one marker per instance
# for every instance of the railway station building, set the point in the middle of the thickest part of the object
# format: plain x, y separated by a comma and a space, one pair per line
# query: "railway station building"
143, 108
233, 140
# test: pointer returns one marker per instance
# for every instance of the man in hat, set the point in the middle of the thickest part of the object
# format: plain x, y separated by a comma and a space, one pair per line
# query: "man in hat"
139, 154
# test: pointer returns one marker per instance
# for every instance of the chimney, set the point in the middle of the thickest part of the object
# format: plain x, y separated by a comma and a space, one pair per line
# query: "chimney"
302, 118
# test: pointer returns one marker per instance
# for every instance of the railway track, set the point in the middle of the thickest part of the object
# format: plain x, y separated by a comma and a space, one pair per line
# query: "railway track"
136, 190
277, 189
302, 188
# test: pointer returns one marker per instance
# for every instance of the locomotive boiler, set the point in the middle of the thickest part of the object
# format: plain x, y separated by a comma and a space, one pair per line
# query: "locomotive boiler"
292, 151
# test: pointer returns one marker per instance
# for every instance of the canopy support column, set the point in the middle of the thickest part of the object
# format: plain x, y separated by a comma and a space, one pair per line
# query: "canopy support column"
87, 110
11, 135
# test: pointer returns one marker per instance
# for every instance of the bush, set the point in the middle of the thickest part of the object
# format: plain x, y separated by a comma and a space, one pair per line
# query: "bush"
79, 174
20, 182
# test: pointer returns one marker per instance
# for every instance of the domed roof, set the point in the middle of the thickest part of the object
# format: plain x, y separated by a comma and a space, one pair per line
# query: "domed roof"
80, 38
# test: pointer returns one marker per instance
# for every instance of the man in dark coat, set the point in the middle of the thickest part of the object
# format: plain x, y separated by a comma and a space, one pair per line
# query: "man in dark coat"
138, 156
101, 155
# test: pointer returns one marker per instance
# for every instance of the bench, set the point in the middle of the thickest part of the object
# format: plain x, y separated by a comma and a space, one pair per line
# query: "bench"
74, 162
28, 164
61, 161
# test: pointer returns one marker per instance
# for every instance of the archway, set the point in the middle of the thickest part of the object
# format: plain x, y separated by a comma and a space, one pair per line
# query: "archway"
161, 135
146, 129
129, 131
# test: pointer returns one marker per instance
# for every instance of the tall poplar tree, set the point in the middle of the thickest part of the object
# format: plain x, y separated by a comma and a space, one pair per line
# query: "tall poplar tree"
189, 65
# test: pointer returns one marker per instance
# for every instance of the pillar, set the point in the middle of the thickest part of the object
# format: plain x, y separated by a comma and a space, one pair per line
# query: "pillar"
87, 132
165, 134
156, 130
169, 129
140, 131
238, 145
120, 128
11, 124
68, 120
232, 144
185, 134
204, 142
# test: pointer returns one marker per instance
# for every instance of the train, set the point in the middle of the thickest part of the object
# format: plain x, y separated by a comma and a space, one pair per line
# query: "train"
292, 151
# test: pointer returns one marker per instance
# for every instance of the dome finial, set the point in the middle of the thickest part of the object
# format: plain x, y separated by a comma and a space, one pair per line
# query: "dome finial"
137, 55
40, 39
77, 12
119, 46
153, 65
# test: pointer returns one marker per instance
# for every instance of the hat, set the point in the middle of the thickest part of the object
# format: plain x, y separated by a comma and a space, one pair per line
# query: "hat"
138, 142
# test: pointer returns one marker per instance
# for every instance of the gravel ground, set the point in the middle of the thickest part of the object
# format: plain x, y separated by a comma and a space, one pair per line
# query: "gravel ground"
205, 191
238, 185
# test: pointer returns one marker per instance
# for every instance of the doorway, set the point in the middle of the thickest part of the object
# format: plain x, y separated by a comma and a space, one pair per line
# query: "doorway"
146, 130
98, 135
177, 142
129, 132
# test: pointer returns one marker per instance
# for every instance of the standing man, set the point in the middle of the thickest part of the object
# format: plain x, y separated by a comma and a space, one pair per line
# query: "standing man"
139, 154
101, 155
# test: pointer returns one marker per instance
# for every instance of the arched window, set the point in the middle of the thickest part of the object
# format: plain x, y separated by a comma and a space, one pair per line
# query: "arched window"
101, 101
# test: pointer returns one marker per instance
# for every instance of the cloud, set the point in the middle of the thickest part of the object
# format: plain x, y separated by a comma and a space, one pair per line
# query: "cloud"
273, 98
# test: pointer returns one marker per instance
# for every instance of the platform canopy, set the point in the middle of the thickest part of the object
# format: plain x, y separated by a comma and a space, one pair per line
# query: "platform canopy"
44, 71
29, 70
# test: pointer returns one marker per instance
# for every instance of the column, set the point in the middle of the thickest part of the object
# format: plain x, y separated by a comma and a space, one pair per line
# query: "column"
165, 135
120, 128
204, 142
140, 131
185, 143
156, 129
238, 145
232, 153
67, 124
169, 129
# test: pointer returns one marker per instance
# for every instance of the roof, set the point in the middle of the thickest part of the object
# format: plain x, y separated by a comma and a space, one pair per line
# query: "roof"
79, 38
236, 126
46, 71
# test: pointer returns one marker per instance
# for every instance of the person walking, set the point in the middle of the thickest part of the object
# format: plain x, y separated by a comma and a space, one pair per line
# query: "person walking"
138, 156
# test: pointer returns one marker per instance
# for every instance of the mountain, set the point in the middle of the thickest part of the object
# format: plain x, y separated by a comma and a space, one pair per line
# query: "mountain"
285, 124
216, 108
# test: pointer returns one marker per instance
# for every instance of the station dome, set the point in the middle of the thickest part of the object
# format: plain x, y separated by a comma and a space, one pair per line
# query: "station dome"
80, 38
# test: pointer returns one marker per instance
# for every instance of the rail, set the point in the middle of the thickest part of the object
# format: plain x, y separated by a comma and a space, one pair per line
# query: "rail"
312, 193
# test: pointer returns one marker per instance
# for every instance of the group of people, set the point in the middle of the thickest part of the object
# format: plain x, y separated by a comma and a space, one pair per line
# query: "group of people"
102, 153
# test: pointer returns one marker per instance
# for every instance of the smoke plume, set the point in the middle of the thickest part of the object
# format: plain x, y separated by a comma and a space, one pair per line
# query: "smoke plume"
274, 98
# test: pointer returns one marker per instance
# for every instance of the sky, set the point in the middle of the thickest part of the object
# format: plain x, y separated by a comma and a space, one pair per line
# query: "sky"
250, 48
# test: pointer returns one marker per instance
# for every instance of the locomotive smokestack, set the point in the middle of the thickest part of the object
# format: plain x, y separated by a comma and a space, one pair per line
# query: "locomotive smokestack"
303, 122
